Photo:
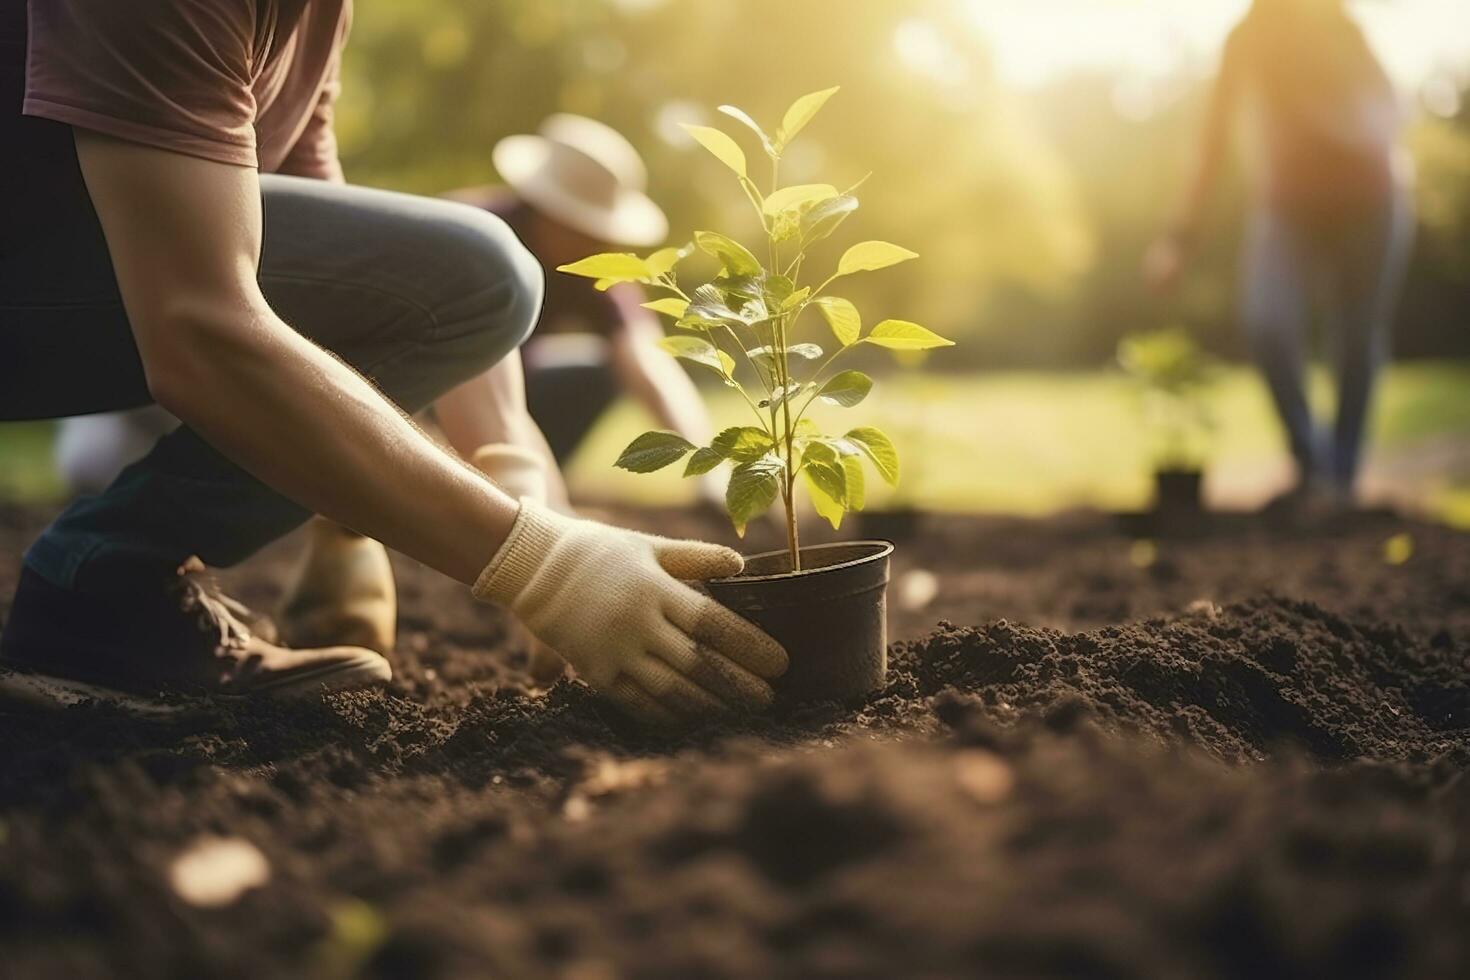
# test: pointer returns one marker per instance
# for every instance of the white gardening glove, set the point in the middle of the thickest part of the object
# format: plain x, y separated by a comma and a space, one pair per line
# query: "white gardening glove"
609, 601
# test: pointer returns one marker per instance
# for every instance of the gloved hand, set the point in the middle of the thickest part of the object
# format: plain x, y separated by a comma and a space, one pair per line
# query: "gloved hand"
608, 600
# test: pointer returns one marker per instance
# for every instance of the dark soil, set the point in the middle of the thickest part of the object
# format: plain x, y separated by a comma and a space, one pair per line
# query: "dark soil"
1237, 755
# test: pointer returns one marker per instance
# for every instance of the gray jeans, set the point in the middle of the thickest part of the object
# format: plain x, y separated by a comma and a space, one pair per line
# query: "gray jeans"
1351, 272
417, 294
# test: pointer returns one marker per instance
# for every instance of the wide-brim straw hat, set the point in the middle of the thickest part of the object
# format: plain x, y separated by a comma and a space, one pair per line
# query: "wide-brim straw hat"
585, 175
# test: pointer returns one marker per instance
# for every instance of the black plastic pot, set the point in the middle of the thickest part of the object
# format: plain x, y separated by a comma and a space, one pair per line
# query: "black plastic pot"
832, 616
1178, 491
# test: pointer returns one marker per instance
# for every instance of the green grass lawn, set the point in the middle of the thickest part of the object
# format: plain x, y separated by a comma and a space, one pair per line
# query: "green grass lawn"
1015, 442
1034, 443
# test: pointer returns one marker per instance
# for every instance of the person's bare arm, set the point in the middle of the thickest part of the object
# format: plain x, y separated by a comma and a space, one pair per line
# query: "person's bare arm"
491, 408
185, 235
655, 380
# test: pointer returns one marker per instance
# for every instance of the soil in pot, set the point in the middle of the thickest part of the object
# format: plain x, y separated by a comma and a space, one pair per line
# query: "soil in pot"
832, 616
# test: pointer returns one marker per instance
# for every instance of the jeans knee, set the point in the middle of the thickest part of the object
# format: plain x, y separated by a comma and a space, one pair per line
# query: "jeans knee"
510, 291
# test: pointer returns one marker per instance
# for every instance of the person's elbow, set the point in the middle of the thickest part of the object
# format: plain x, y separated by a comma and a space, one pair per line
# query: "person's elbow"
186, 345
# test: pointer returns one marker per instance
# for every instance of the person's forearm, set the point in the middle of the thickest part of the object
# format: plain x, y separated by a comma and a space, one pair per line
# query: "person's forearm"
314, 430
657, 383
491, 408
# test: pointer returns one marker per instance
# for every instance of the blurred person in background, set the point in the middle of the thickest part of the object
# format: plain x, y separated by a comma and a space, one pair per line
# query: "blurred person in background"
1331, 225
571, 190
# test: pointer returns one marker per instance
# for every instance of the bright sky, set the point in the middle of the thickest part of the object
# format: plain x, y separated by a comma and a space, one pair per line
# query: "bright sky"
1419, 41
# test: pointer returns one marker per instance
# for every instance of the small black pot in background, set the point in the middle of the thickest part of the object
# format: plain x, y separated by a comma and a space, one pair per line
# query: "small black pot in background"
832, 616
1178, 491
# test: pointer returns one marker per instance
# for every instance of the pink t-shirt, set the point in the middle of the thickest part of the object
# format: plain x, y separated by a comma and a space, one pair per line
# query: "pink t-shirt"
248, 82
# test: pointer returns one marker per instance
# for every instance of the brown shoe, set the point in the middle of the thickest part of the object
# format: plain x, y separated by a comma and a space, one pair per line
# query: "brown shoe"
145, 650
342, 592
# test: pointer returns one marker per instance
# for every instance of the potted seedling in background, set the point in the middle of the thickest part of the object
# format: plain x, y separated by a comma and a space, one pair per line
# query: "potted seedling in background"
1173, 377
758, 324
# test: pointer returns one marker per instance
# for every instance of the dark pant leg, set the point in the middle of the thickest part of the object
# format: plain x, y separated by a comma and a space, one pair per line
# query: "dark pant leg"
416, 293
566, 400
1368, 266
1275, 310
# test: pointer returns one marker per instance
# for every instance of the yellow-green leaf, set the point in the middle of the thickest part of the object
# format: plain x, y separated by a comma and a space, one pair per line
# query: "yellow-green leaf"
617, 266
742, 117
903, 335
842, 317
736, 258
669, 306
821, 483
665, 259
752, 489
789, 198
872, 255
653, 451
726, 150
801, 113
698, 350
879, 449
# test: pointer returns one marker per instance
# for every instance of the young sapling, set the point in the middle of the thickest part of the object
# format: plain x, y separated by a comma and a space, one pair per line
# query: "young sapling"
744, 325
1173, 377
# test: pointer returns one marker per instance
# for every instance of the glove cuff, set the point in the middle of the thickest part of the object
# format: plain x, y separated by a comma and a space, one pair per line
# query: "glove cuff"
531, 538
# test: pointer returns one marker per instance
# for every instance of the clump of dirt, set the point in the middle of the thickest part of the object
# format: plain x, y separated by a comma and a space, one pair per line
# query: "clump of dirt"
1242, 683
1252, 783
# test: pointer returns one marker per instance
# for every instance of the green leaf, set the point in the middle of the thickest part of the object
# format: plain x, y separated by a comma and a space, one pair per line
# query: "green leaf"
670, 306
740, 116
734, 257
742, 443
852, 468
793, 197
795, 299
710, 309
823, 218
752, 489
801, 113
846, 388
665, 259
903, 335
872, 255
879, 449
767, 353
826, 485
613, 266
703, 460
842, 317
726, 150
653, 451
700, 351
784, 393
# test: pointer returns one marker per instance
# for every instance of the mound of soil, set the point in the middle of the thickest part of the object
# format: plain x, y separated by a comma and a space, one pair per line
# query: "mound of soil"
1240, 755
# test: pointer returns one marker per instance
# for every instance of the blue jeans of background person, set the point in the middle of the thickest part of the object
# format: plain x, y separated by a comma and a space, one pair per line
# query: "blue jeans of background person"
417, 294
1349, 269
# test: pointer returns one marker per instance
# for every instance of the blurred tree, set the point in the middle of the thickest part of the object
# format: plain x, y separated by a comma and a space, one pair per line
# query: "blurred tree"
1030, 211
958, 173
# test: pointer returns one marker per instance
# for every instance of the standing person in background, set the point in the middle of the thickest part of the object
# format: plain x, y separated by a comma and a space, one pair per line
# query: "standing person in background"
1332, 220
574, 189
